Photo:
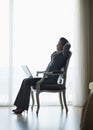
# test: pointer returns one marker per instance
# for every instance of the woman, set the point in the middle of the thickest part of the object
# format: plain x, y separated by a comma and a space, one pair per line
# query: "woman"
58, 60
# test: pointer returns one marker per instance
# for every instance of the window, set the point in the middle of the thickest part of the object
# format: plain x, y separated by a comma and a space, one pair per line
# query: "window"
4, 51
29, 32
38, 25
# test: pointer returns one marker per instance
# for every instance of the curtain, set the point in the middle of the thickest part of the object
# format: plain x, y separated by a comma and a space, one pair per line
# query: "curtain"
4, 51
81, 53
26, 28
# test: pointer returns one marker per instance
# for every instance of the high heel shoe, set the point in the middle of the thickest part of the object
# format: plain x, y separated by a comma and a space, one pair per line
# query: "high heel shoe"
19, 111
15, 109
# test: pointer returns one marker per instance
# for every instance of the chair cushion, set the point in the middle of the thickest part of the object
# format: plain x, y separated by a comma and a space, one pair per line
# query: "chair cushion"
53, 87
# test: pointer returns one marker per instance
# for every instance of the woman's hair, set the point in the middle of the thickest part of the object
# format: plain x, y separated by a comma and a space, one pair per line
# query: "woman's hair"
63, 40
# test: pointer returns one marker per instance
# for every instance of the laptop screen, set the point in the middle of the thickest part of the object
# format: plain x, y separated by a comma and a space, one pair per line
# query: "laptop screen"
27, 71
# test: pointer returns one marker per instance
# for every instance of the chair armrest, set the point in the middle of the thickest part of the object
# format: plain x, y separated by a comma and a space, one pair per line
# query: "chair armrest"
57, 72
39, 72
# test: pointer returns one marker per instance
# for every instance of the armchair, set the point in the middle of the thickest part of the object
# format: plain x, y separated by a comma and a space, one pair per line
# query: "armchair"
59, 87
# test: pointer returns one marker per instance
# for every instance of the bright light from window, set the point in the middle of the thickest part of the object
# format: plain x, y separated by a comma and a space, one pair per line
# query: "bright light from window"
4, 50
38, 25
4, 32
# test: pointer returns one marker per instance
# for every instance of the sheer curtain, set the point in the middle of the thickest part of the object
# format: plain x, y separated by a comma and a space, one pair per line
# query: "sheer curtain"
38, 25
29, 33
4, 51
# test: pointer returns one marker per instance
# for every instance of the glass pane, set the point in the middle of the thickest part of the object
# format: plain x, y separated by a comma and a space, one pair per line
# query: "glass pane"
38, 25
4, 51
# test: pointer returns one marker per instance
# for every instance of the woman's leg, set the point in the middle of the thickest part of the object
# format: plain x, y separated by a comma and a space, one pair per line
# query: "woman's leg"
23, 97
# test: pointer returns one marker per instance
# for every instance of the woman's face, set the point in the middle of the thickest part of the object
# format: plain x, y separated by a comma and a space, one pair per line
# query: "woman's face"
59, 46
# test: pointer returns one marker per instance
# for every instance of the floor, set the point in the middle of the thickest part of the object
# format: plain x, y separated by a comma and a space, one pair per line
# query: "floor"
49, 118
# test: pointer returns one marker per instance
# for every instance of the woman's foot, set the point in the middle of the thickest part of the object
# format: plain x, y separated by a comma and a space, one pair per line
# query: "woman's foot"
15, 109
18, 111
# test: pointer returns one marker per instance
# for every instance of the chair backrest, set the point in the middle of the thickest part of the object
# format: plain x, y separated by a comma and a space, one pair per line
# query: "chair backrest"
67, 62
62, 77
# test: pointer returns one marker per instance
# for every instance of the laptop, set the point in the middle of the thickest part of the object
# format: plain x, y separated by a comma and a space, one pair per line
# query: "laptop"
27, 71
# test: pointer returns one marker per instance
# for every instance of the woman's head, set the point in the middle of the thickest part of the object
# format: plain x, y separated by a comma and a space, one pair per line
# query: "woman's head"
61, 43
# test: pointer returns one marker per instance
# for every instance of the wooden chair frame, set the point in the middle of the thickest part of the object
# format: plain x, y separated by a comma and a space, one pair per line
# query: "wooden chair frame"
62, 76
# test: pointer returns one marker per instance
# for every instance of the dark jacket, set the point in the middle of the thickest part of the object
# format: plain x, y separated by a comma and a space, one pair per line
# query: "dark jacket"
58, 60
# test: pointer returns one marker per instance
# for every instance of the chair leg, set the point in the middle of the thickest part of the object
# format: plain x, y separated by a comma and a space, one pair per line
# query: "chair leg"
60, 98
32, 95
38, 104
64, 98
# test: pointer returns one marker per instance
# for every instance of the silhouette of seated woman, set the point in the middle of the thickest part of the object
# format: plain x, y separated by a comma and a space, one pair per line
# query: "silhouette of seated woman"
58, 60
